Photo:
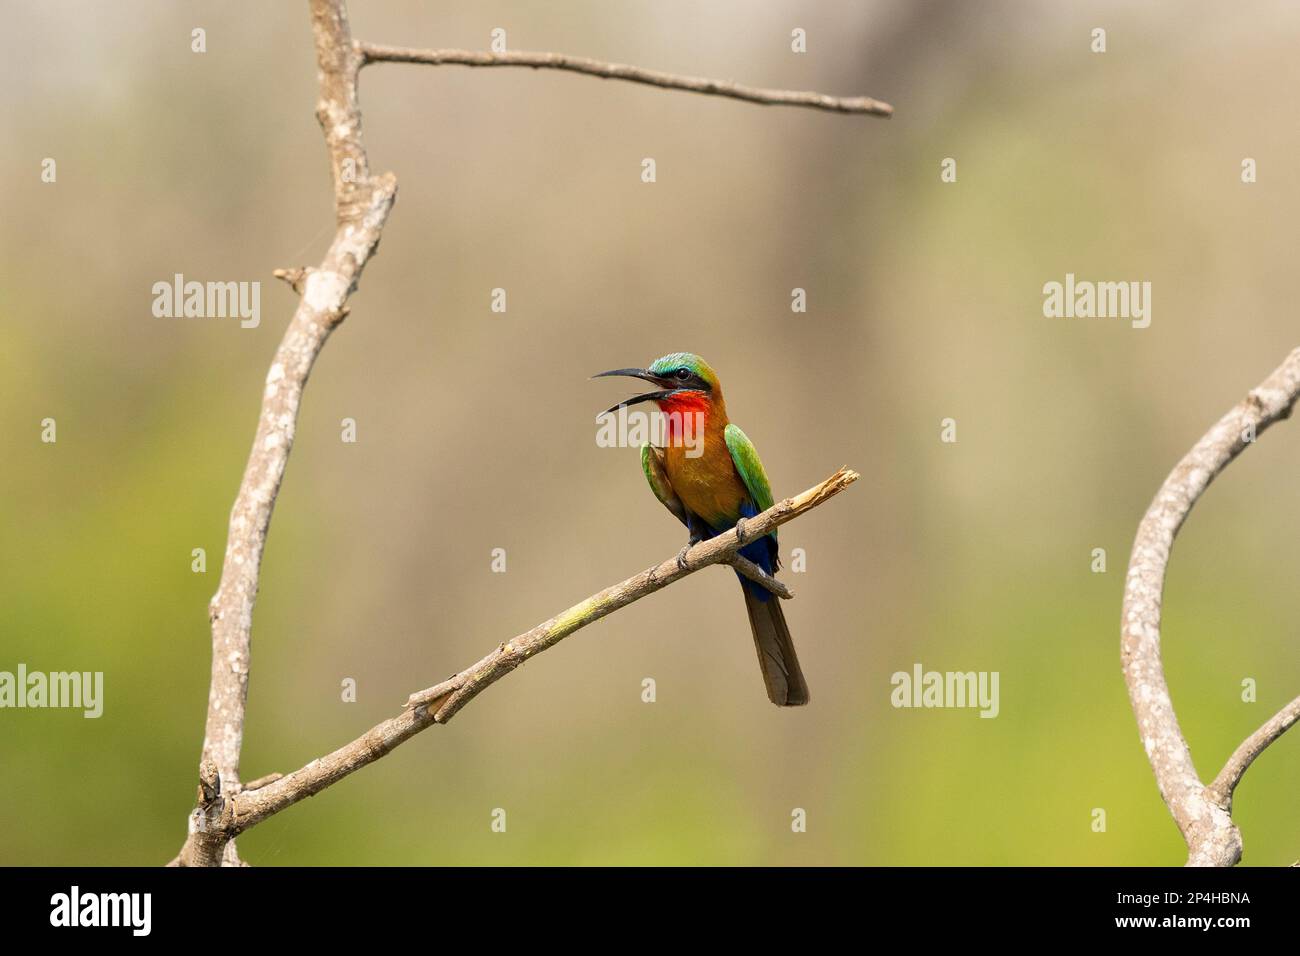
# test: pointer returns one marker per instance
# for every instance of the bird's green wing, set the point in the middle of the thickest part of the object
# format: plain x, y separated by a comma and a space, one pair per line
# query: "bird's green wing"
745, 457
652, 463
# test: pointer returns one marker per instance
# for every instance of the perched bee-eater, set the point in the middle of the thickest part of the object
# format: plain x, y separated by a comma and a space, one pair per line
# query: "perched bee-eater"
709, 476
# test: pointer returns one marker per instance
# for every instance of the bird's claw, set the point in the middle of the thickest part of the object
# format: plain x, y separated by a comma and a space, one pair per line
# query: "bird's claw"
681, 557
740, 530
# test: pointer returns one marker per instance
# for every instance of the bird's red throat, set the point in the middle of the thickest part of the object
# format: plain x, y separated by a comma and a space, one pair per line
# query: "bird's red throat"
687, 416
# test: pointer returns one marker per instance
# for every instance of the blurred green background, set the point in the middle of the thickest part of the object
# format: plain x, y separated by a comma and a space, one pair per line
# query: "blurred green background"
476, 431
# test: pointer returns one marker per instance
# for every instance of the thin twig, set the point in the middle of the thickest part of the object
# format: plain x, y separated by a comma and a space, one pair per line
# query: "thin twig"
756, 574
1221, 790
438, 704
1203, 819
262, 781
379, 53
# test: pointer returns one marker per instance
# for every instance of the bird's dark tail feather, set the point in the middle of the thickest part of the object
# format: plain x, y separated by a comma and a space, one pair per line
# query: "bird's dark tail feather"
785, 684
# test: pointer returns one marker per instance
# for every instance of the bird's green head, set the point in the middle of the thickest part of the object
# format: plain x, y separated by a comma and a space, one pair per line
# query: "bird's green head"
686, 368
682, 377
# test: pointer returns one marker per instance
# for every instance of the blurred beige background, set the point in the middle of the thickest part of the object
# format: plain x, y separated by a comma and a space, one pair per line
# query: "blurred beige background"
476, 430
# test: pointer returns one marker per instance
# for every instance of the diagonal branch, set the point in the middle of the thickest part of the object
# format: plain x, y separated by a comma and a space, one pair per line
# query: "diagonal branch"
440, 703
378, 53
1202, 814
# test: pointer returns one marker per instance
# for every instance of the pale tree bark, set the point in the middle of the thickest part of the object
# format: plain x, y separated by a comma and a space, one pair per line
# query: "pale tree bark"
1203, 813
362, 204
225, 816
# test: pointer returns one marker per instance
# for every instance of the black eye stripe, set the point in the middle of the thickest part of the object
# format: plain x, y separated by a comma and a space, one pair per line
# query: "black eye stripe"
686, 378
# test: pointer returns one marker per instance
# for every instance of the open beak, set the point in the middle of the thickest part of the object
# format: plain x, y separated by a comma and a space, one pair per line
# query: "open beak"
636, 399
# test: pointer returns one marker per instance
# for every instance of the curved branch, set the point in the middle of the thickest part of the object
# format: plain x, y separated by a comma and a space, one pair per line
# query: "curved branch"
1204, 821
438, 704
378, 53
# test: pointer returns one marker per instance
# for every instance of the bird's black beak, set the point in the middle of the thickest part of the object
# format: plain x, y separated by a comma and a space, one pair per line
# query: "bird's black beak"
647, 397
640, 373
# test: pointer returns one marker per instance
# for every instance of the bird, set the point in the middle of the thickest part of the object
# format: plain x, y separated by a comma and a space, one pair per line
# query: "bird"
709, 476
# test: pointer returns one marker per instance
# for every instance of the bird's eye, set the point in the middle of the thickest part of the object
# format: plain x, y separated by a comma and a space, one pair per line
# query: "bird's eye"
683, 374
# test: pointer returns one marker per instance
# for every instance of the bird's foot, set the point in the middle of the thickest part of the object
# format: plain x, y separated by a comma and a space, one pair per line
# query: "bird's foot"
681, 557
740, 530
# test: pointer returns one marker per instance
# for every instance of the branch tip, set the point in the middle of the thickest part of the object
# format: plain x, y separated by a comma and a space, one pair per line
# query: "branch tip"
865, 105
295, 277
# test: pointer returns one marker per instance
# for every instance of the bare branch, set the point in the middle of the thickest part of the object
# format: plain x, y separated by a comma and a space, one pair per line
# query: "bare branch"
1221, 790
378, 53
756, 574
362, 204
1203, 818
440, 703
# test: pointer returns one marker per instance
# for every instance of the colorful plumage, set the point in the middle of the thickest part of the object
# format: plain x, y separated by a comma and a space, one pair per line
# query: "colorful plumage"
710, 477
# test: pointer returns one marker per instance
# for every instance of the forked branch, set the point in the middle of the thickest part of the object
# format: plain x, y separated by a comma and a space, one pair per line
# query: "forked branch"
362, 203
438, 704
1203, 814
